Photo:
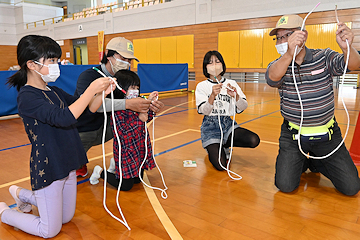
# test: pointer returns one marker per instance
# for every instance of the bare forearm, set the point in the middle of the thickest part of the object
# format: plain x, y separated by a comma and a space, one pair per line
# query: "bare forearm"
80, 105
278, 69
95, 102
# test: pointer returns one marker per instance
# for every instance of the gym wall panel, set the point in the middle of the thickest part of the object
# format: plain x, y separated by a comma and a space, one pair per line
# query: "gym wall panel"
269, 50
139, 51
153, 50
229, 47
8, 58
251, 42
185, 50
93, 54
323, 36
168, 49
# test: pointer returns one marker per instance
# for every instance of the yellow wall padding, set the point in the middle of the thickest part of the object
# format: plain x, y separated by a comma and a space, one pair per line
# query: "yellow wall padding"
168, 49
251, 51
323, 36
139, 51
153, 50
173, 49
185, 50
269, 50
229, 47
256, 49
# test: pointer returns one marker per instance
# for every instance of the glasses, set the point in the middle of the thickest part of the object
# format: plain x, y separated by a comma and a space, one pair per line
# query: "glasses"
286, 36
124, 59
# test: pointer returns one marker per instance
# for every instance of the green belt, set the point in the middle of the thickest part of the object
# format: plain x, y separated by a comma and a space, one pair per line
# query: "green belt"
312, 131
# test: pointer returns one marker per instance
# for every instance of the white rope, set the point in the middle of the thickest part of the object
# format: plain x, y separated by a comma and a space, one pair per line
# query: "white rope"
124, 222
232, 140
163, 191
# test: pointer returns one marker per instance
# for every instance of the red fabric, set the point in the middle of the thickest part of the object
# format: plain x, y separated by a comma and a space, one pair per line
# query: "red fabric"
131, 131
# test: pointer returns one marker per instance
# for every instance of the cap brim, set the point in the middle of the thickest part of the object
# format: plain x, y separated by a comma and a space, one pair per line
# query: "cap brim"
273, 32
128, 56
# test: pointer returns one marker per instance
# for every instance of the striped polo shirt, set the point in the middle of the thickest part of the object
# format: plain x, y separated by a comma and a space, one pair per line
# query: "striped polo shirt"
314, 79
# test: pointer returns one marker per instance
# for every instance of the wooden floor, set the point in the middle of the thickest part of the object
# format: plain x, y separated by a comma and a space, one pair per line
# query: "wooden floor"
202, 203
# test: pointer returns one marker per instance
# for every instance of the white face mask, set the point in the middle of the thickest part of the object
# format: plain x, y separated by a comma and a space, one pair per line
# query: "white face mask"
283, 47
214, 69
54, 72
119, 65
132, 93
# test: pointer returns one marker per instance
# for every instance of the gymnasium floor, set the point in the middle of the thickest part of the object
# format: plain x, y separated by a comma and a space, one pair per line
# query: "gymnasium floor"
202, 203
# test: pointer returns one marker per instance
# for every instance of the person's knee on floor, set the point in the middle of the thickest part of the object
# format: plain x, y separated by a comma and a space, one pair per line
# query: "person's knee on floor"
213, 153
127, 184
285, 183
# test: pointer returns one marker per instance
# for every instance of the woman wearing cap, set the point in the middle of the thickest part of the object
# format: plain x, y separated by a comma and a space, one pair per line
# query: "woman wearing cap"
118, 55
314, 71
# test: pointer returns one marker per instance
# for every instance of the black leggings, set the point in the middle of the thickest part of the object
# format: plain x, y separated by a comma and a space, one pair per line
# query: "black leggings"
242, 138
127, 183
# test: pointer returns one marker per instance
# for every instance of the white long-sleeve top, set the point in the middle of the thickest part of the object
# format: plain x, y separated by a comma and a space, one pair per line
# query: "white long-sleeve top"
222, 100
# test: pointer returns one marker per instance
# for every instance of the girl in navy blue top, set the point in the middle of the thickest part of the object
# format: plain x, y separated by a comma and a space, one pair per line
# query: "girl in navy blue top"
49, 115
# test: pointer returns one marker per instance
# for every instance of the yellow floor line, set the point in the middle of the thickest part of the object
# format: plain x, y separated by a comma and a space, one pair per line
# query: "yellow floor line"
160, 212
174, 134
274, 143
14, 182
195, 130
101, 156
163, 112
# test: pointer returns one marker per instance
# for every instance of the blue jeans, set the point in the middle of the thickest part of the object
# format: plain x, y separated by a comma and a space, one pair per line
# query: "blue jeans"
339, 167
210, 129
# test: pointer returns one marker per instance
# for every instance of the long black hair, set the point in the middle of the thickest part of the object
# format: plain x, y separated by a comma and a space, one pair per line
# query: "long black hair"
125, 79
32, 47
206, 61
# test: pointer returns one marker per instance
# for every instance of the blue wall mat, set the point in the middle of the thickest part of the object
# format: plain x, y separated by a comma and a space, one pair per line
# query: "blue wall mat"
162, 77
67, 81
154, 77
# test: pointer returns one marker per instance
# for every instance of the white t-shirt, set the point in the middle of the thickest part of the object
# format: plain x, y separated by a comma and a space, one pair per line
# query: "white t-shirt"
223, 101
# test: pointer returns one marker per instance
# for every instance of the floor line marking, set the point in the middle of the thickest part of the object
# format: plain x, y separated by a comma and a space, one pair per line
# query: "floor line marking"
14, 182
160, 212
174, 134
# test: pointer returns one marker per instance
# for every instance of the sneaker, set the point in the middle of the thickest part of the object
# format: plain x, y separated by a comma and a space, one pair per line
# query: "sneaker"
22, 206
82, 172
94, 179
111, 168
3, 207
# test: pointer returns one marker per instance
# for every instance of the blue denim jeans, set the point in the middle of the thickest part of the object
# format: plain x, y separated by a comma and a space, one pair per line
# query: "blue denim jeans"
338, 167
210, 129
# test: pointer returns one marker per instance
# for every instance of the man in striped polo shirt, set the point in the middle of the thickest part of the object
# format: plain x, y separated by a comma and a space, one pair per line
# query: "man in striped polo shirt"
314, 70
